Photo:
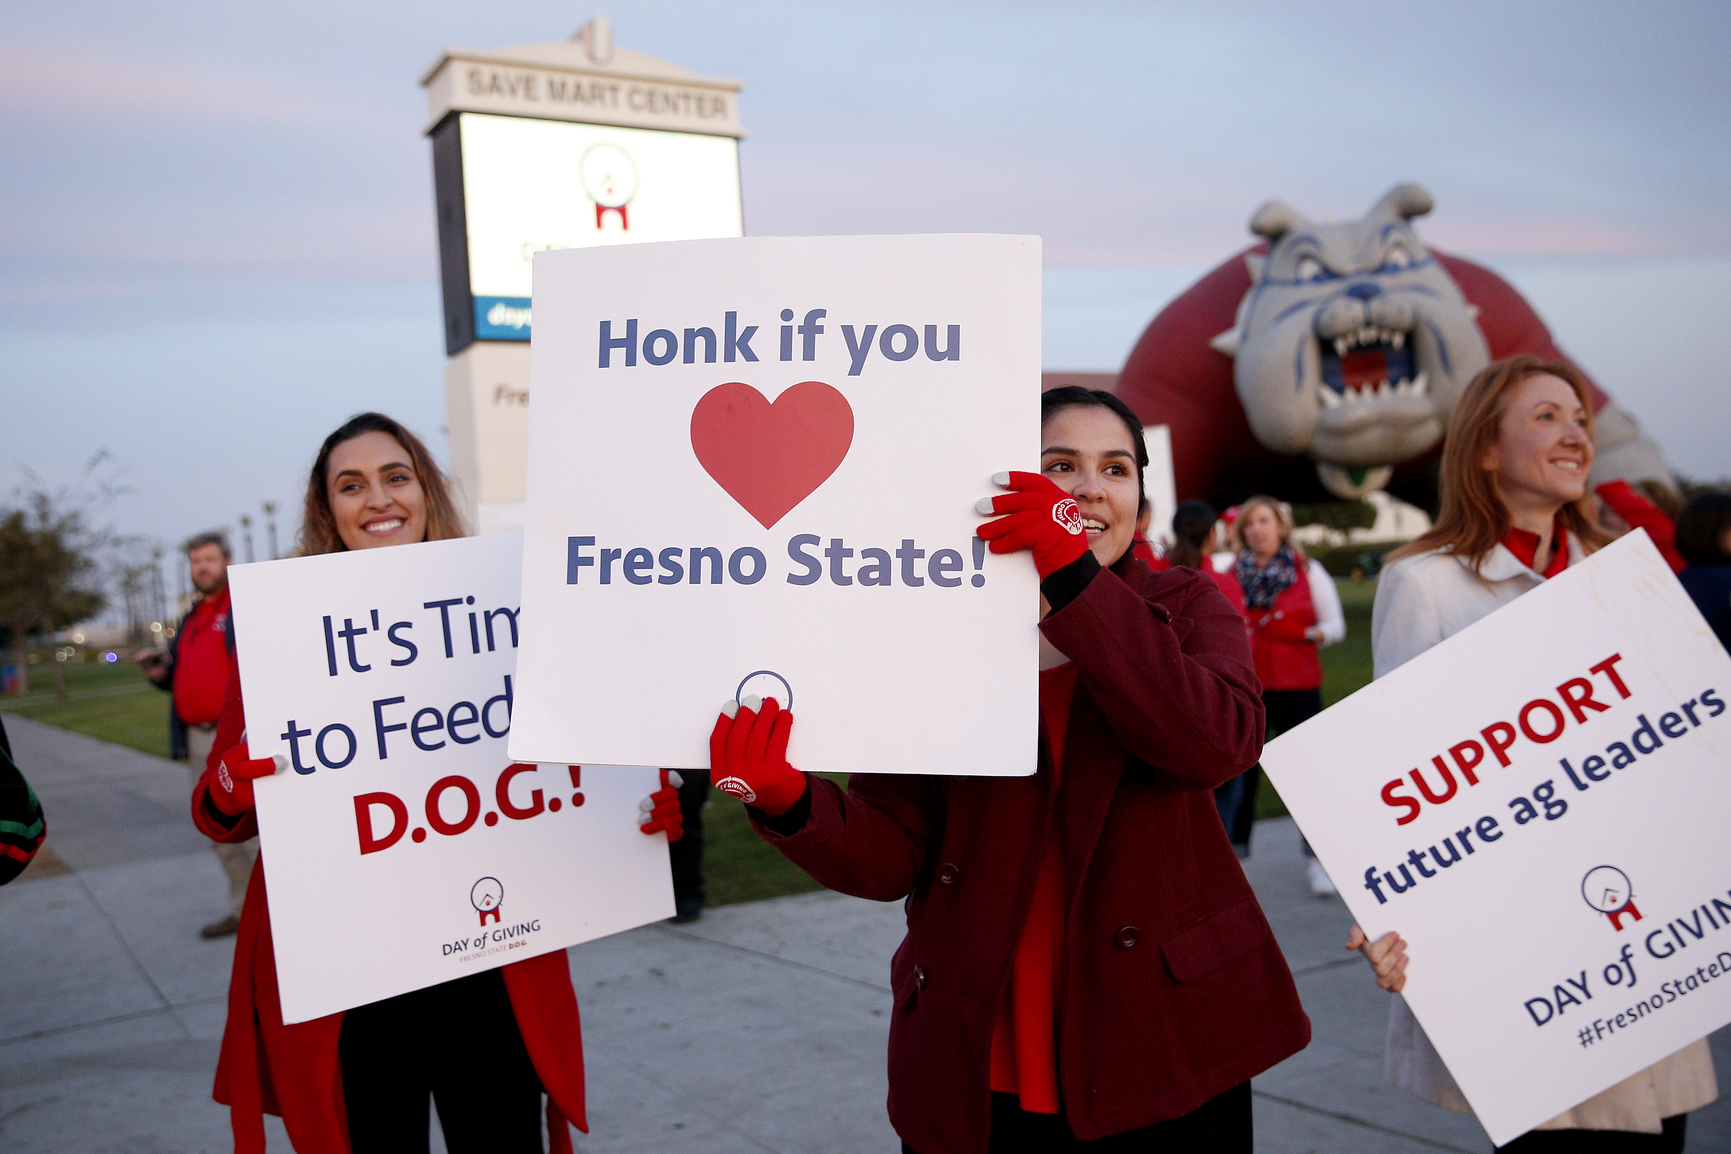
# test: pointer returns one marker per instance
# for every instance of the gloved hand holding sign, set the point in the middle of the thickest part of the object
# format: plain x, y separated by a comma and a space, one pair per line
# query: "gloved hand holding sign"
1038, 516
748, 755
231, 786
660, 810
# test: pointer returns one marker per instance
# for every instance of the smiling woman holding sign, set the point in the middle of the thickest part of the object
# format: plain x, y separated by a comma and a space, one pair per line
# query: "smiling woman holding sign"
1084, 957
486, 1046
1515, 511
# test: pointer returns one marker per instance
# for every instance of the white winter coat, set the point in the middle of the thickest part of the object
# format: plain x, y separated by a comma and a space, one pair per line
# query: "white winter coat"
1419, 601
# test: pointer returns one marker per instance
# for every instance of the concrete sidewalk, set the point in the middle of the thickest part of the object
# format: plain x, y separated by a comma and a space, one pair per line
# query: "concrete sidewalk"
759, 1028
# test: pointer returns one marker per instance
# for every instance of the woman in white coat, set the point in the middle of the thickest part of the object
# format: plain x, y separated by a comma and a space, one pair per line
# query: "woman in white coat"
1515, 511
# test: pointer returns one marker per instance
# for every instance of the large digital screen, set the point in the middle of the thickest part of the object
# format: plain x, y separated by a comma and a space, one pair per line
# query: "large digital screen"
533, 185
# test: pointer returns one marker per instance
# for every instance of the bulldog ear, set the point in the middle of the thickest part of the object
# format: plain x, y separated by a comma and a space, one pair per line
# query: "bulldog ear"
1405, 201
1274, 219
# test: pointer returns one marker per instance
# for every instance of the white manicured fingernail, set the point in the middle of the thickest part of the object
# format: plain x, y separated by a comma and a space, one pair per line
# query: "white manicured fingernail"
646, 805
674, 779
753, 703
642, 819
731, 708
1001, 480
281, 762
984, 507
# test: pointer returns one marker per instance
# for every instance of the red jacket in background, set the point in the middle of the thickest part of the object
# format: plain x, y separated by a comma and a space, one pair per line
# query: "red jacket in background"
202, 661
1174, 989
267, 1067
1284, 659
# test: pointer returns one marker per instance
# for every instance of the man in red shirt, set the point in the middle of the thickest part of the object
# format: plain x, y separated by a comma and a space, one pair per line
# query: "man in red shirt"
195, 670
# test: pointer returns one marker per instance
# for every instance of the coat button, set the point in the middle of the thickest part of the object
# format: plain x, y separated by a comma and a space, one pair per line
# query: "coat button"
919, 978
948, 874
1126, 937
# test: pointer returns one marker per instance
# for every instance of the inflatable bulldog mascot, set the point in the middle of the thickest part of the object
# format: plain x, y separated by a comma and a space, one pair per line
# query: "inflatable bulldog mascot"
1326, 361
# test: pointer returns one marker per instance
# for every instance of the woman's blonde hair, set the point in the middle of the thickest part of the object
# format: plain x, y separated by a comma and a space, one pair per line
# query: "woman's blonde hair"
1282, 517
1472, 518
318, 525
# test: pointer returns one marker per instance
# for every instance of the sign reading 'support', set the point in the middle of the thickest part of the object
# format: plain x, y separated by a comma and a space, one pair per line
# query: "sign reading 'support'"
1536, 805
405, 847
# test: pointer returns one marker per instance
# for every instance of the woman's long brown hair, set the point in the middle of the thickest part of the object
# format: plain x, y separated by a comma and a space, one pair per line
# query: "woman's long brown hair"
318, 525
1472, 518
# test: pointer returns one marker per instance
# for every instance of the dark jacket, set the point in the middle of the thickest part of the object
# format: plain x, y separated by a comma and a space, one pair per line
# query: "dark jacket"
1174, 989
1709, 586
21, 825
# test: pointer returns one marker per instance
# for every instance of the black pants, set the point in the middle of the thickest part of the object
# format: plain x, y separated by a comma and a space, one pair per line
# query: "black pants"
458, 1042
686, 854
1236, 799
1603, 1141
1219, 1126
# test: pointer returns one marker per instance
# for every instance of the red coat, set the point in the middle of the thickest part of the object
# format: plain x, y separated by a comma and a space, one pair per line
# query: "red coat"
1174, 989
1284, 658
267, 1067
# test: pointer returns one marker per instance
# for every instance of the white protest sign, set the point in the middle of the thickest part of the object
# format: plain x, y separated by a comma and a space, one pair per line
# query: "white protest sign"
752, 470
403, 846
1537, 805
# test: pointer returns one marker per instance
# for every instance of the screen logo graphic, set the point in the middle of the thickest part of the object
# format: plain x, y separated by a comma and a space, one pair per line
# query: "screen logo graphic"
609, 176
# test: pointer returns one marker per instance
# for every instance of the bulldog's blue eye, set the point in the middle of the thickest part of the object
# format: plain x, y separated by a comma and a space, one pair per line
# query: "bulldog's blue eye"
1309, 269
1398, 258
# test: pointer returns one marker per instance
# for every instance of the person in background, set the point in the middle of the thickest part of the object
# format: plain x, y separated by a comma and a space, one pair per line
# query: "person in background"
1195, 538
1703, 540
195, 669
483, 1047
1294, 611
1514, 512
22, 827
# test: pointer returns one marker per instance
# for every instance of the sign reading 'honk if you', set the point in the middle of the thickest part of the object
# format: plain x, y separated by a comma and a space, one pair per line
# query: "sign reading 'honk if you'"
752, 470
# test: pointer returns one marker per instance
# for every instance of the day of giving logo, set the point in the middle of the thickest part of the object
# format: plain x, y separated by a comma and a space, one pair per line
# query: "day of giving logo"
1607, 890
487, 895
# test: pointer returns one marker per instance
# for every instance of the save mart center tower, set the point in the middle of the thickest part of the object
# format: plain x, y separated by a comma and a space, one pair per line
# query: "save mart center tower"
547, 146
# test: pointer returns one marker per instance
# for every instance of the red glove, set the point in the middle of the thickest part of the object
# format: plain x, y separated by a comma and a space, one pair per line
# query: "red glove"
231, 784
748, 755
660, 810
1042, 517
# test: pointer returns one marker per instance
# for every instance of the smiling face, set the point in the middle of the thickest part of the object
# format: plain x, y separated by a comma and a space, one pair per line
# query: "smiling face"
1543, 451
375, 497
1088, 452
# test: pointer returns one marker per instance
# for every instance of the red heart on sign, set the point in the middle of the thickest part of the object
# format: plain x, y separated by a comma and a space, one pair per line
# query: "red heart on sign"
770, 457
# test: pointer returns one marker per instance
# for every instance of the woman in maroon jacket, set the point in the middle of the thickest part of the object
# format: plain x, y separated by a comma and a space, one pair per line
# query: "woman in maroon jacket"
359, 1081
1084, 958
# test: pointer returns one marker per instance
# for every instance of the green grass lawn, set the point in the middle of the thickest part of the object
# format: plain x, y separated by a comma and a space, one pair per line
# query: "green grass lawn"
115, 703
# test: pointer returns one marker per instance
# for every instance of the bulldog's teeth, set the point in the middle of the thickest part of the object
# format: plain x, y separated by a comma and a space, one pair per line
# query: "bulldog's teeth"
1420, 386
1340, 346
1397, 339
1330, 398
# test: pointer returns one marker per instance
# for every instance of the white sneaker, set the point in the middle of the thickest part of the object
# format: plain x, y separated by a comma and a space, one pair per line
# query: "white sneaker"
1320, 884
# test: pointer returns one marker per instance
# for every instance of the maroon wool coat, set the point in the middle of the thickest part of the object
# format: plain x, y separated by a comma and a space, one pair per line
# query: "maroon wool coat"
1173, 988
